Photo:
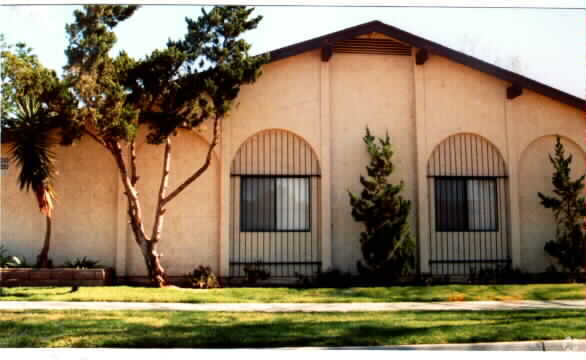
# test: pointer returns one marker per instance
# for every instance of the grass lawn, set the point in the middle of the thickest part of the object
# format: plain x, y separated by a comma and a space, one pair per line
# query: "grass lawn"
148, 329
292, 295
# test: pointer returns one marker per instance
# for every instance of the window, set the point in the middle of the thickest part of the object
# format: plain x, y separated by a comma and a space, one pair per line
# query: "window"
274, 204
465, 204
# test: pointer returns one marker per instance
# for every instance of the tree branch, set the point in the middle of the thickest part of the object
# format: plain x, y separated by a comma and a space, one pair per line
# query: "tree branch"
134, 210
160, 209
133, 175
202, 169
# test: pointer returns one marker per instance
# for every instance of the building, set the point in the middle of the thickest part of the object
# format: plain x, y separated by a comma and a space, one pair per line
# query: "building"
471, 143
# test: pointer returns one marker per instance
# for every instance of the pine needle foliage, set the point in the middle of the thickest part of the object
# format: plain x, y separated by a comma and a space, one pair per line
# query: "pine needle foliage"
386, 243
569, 210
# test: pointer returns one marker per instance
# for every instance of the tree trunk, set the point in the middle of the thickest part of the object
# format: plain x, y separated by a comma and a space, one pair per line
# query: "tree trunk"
148, 248
43, 257
152, 259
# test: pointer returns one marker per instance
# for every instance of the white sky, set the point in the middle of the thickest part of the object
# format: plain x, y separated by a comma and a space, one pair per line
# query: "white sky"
547, 45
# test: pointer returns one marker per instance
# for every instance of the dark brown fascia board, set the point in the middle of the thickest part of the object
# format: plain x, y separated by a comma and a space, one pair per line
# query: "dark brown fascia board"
433, 48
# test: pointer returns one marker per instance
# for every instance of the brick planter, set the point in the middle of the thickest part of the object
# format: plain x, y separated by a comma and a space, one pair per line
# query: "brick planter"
55, 277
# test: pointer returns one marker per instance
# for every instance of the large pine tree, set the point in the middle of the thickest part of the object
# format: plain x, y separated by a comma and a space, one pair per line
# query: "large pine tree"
386, 243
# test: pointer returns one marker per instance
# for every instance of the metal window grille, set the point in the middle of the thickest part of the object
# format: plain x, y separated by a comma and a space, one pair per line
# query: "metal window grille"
469, 206
275, 206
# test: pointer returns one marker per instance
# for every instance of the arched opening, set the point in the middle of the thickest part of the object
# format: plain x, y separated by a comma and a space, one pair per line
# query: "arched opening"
468, 202
275, 206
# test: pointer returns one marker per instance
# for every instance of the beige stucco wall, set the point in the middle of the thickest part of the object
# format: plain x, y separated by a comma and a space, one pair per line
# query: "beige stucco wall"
537, 120
328, 105
537, 223
191, 225
458, 99
285, 97
84, 219
374, 91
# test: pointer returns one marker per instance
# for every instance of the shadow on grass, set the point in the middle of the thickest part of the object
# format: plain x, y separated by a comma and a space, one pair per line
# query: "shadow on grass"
238, 330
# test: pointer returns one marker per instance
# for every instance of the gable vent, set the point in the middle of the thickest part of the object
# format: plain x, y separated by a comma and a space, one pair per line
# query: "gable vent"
372, 46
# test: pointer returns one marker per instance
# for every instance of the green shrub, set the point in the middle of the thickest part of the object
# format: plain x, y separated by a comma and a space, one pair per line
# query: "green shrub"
11, 261
255, 272
332, 278
202, 277
497, 275
82, 263
569, 209
387, 247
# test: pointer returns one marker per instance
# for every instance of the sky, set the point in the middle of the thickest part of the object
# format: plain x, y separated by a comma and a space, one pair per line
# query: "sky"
545, 44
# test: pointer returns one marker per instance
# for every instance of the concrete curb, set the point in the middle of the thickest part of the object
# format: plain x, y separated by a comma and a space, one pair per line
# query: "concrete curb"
570, 345
299, 307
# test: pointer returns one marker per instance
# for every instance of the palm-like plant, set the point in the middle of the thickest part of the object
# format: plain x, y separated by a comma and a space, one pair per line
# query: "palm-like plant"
32, 151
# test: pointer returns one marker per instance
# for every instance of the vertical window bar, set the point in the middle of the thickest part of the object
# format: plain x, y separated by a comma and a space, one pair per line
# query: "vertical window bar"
450, 214
469, 239
307, 211
288, 207
270, 245
482, 200
463, 200
478, 236
492, 209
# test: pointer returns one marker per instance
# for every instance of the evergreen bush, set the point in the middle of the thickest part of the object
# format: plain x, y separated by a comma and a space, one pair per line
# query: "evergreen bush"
386, 244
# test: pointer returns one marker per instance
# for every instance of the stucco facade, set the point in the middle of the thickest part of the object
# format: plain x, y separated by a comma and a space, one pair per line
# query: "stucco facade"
325, 106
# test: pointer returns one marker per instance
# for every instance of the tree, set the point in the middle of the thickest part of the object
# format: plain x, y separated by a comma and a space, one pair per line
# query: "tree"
386, 244
569, 211
34, 103
179, 87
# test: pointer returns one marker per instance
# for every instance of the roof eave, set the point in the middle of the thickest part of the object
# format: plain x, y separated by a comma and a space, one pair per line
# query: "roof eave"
432, 47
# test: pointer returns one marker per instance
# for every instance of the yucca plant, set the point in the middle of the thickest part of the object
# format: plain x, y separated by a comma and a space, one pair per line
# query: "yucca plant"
10, 261
32, 152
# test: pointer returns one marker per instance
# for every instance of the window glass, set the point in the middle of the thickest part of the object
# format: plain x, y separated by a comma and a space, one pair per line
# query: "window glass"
275, 204
258, 204
465, 204
292, 204
450, 197
482, 204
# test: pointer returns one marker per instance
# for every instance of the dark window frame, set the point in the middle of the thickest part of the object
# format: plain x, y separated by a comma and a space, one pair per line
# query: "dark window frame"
274, 229
442, 228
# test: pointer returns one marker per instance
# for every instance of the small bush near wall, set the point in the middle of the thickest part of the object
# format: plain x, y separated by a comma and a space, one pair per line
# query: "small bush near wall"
332, 278
256, 272
82, 263
11, 261
203, 277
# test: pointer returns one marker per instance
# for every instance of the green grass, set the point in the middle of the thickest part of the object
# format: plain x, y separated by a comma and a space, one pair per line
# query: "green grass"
292, 295
148, 329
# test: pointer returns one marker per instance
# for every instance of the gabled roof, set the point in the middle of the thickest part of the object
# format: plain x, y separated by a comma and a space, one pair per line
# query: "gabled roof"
433, 48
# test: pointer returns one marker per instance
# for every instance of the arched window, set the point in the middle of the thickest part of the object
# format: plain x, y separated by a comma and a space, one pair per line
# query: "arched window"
275, 222
468, 206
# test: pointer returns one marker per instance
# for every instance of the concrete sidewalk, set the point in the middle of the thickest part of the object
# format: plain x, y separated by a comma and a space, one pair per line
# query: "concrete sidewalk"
298, 307
572, 345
